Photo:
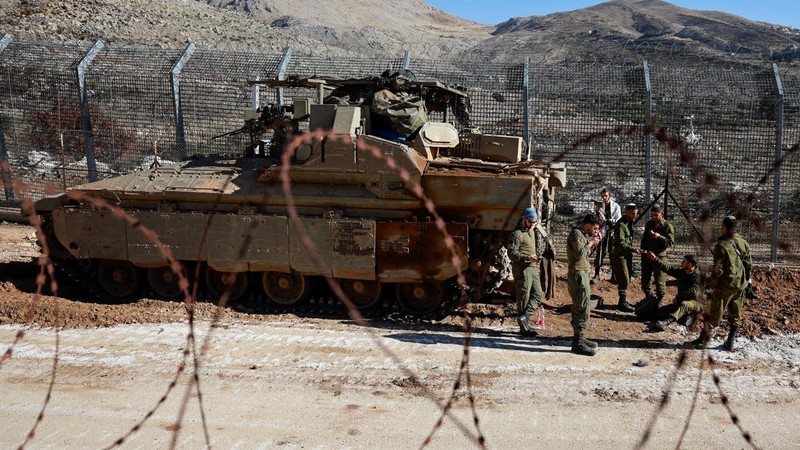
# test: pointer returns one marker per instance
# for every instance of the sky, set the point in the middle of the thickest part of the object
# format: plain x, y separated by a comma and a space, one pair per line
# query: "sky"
492, 12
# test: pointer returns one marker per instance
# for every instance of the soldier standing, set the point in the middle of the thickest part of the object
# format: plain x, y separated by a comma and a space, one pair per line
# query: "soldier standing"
658, 237
728, 283
580, 243
622, 250
611, 214
689, 288
525, 268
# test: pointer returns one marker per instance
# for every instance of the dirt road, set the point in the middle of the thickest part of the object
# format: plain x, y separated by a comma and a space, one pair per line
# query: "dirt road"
327, 384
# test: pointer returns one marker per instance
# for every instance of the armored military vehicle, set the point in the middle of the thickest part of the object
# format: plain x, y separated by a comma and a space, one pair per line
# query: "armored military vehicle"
355, 197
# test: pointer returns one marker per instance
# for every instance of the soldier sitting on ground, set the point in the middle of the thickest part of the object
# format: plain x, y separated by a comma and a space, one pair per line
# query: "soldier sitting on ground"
688, 299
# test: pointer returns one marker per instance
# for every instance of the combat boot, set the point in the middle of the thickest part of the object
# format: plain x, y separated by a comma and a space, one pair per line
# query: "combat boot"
525, 329
731, 341
662, 325
688, 320
698, 343
624, 306
590, 343
581, 347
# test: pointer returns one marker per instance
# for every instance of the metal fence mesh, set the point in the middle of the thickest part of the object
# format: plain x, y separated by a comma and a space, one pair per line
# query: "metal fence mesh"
140, 99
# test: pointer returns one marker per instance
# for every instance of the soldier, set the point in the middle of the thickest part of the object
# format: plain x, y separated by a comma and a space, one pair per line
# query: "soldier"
580, 243
611, 213
525, 268
744, 251
689, 288
658, 236
622, 250
728, 283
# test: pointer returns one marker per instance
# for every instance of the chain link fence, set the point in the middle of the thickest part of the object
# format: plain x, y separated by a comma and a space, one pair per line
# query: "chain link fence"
71, 114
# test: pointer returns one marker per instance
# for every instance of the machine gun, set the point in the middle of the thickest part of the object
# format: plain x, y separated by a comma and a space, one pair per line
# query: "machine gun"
259, 120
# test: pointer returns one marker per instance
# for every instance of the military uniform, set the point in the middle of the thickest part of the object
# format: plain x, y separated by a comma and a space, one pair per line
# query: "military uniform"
659, 246
578, 252
690, 288
622, 249
727, 281
526, 273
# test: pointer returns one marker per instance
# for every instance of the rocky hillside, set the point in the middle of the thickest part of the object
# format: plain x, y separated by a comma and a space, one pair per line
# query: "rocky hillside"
654, 27
614, 30
356, 26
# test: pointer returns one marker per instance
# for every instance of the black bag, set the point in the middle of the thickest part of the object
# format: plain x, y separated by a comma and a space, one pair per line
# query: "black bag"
647, 309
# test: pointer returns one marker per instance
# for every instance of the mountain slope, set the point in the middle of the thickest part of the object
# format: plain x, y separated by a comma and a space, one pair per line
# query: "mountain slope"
614, 31
651, 23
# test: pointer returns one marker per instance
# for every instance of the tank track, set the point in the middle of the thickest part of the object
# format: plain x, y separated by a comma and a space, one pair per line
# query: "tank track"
82, 277
321, 305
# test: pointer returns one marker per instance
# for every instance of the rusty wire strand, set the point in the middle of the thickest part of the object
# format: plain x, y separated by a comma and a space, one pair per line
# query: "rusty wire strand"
165, 252
695, 396
45, 268
352, 310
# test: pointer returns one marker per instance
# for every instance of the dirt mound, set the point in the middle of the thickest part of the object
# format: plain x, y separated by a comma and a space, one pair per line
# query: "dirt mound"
777, 311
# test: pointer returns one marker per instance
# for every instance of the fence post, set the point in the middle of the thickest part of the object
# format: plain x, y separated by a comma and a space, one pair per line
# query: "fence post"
175, 77
648, 138
86, 119
406, 59
255, 94
526, 108
776, 194
5, 168
283, 66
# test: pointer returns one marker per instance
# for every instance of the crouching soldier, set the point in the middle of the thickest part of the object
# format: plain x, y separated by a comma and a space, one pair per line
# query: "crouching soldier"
689, 288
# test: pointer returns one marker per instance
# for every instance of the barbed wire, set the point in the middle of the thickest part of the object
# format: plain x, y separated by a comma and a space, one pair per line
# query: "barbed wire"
674, 143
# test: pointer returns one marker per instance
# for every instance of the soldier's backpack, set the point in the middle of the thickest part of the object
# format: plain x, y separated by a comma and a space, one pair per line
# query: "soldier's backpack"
647, 309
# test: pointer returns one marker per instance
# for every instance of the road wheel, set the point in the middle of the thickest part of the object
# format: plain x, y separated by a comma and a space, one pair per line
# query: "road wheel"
420, 299
219, 282
285, 289
118, 278
164, 282
363, 293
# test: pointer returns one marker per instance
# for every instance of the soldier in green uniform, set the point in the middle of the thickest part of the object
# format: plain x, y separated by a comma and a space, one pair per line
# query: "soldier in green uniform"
728, 283
580, 243
689, 280
658, 236
743, 250
525, 268
622, 250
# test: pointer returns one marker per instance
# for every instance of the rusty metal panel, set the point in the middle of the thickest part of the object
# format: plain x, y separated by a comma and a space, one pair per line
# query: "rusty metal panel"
347, 247
486, 203
301, 258
91, 233
181, 232
269, 243
414, 251
353, 249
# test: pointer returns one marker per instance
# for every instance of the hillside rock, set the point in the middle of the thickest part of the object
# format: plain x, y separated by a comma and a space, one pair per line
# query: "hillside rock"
612, 31
609, 31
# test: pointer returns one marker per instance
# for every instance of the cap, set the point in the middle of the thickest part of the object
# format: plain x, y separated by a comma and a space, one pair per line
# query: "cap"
656, 208
530, 213
631, 206
598, 202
